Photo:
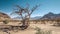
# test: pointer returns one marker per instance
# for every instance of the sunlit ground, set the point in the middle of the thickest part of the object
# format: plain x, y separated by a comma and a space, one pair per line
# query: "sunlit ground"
30, 30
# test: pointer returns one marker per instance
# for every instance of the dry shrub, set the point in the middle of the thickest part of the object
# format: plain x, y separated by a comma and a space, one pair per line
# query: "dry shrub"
40, 31
5, 21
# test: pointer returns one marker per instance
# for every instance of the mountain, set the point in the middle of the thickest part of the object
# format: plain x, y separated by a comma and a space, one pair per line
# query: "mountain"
35, 18
51, 16
3, 15
16, 18
32, 18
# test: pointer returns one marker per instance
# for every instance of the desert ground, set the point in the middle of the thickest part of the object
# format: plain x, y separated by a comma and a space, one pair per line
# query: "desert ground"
30, 30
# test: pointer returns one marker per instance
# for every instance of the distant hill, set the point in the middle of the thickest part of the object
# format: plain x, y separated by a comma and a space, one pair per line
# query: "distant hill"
51, 16
3, 15
35, 18
32, 18
17, 18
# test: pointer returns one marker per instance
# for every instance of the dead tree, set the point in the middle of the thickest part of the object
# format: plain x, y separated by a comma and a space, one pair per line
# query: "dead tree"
25, 14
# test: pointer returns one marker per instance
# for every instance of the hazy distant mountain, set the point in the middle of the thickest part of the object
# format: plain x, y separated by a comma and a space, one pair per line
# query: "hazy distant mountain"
16, 18
35, 18
51, 16
32, 18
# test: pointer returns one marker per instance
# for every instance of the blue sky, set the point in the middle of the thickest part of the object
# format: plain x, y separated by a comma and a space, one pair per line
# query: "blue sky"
46, 6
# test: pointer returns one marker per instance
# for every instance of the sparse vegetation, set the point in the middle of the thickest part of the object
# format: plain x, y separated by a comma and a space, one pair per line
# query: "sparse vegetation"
5, 21
57, 23
40, 31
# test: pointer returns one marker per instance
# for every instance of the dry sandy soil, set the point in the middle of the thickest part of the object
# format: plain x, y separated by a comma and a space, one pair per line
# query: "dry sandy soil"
30, 30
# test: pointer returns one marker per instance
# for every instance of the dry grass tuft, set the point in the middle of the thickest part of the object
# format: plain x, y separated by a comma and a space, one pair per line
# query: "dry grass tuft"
40, 31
